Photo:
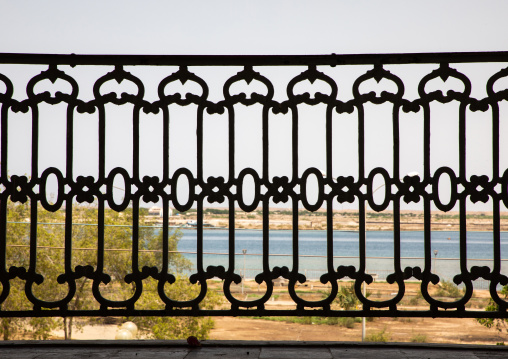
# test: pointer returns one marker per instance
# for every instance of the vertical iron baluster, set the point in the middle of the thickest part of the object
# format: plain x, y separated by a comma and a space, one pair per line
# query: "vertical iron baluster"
265, 181
294, 201
329, 182
68, 202
165, 181
361, 201
201, 183
4, 179
396, 201
100, 208
496, 218
496, 178
427, 180
231, 179
33, 201
463, 179
135, 206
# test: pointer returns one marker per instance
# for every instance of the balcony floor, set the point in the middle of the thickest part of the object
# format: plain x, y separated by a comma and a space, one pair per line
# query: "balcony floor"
241, 349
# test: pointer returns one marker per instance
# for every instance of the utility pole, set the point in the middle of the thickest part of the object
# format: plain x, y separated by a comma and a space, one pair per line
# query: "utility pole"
364, 290
244, 251
435, 256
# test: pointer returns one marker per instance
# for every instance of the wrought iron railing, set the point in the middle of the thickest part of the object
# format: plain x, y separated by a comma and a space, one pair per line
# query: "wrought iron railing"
292, 190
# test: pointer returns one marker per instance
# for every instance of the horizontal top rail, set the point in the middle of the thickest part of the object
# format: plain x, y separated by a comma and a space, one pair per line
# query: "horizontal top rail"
254, 60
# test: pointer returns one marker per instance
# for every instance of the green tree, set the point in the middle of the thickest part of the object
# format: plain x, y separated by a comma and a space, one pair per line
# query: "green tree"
499, 323
117, 263
17, 254
346, 297
167, 327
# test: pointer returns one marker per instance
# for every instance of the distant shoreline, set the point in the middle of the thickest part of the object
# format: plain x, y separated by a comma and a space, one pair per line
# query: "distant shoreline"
323, 230
347, 220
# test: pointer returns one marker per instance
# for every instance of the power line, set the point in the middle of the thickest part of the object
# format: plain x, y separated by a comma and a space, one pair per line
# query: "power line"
239, 254
92, 224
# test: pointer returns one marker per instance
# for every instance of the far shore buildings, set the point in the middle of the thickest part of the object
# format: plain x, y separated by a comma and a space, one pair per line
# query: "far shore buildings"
157, 211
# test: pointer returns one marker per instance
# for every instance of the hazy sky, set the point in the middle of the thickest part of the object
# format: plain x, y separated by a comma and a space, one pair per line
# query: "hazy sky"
252, 27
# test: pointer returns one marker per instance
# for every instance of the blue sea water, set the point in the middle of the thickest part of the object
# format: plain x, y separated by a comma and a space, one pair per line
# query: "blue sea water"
312, 250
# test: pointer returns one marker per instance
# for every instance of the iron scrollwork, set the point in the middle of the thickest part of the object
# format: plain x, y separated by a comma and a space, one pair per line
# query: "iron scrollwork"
229, 190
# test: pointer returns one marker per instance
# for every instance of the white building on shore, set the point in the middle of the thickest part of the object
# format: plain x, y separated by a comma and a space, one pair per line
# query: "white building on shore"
157, 211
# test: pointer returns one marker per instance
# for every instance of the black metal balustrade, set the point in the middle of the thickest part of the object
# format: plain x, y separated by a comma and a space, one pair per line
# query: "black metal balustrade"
398, 188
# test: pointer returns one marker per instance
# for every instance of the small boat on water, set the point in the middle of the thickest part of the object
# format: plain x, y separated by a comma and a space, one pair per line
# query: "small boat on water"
194, 224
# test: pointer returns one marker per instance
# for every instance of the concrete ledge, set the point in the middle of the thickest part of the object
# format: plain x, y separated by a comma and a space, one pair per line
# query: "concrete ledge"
240, 343
178, 349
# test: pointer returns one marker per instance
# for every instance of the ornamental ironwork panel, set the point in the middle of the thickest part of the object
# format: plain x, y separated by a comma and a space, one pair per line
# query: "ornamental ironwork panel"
229, 190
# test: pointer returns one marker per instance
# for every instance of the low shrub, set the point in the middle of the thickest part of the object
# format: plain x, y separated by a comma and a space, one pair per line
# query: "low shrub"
418, 338
347, 322
332, 320
449, 289
381, 336
414, 301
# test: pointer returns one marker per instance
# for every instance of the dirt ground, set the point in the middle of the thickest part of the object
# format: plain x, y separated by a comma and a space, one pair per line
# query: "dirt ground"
458, 331
466, 331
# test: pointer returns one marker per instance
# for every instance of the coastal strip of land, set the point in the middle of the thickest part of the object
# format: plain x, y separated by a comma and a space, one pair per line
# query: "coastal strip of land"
347, 220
